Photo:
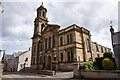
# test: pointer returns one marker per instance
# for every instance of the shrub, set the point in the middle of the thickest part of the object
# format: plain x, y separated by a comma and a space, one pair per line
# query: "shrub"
90, 65
107, 54
107, 64
83, 67
98, 63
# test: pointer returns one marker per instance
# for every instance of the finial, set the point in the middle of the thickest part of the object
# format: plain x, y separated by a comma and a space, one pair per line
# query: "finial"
42, 3
110, 23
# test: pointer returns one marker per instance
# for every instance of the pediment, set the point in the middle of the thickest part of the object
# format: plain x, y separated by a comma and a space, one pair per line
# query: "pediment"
51, 28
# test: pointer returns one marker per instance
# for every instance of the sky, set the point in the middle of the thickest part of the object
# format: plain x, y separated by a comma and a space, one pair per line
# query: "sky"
18, 20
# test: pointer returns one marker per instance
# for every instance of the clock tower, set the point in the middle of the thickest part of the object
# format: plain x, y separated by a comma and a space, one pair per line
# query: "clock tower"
41, 21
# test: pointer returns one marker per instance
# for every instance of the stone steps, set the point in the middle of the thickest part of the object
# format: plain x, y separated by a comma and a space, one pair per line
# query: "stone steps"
46, 72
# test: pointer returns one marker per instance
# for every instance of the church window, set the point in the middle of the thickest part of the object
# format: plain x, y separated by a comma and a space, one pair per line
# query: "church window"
61, 57
40, 59
71, 39
101, 50
68, 56
53, 41
40, 47
97, 48
88, 45
68, 41
43, 14
42, 26
46, 43
72, 56
49, 42
34, 49
33, 60
61, 41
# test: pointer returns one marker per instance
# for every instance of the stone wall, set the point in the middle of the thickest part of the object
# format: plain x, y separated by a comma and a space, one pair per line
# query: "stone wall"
95, 73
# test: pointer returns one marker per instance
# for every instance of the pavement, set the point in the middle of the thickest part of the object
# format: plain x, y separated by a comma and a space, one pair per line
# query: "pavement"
33, 76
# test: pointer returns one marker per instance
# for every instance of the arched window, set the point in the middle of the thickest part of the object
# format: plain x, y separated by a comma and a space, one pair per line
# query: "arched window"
42, 26
43, 14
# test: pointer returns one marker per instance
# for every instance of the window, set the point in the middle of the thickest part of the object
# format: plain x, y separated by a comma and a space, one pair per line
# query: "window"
105, 49
61, 41
34, 49
61, 57
40, 59
46, 43
101, 50
88, 45
33, 60
42, 27
98, 55
26, 59
49, 42
53, 41
40, 47
72, 56
97, 48
71, 40
43, 14
68, 39
68, 56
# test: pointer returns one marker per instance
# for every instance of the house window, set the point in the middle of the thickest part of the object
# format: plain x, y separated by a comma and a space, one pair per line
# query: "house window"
49, 42
101, 50
26, 59
46, 43
61, 41
61, 57
68, 41
69, 56
88, 45
97, 48
53, 41
71, 39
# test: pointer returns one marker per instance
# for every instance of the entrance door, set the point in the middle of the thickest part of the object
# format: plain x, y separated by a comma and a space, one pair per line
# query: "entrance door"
49, 62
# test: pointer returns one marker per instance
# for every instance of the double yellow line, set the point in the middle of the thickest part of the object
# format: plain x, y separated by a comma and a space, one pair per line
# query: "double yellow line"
11, 78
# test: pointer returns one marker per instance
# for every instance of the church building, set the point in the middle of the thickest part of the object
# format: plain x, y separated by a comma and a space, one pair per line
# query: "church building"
50, 44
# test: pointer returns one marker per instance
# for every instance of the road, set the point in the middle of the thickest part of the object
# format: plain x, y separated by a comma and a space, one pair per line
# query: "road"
33, 76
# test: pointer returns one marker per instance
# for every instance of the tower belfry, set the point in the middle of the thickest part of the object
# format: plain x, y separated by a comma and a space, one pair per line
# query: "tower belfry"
41, 20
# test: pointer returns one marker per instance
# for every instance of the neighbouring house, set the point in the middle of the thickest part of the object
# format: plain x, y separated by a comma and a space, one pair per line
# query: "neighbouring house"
64, 46
17, 61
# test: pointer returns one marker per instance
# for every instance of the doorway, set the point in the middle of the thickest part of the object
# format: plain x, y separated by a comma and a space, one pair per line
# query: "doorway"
49, 62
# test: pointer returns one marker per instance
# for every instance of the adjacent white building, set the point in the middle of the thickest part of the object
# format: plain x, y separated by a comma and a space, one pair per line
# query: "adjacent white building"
18, 61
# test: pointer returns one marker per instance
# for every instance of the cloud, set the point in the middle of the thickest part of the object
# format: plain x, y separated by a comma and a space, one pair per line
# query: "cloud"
18, 20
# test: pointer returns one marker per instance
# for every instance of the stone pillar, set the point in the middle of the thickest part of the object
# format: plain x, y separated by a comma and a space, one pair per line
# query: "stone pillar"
76, 69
